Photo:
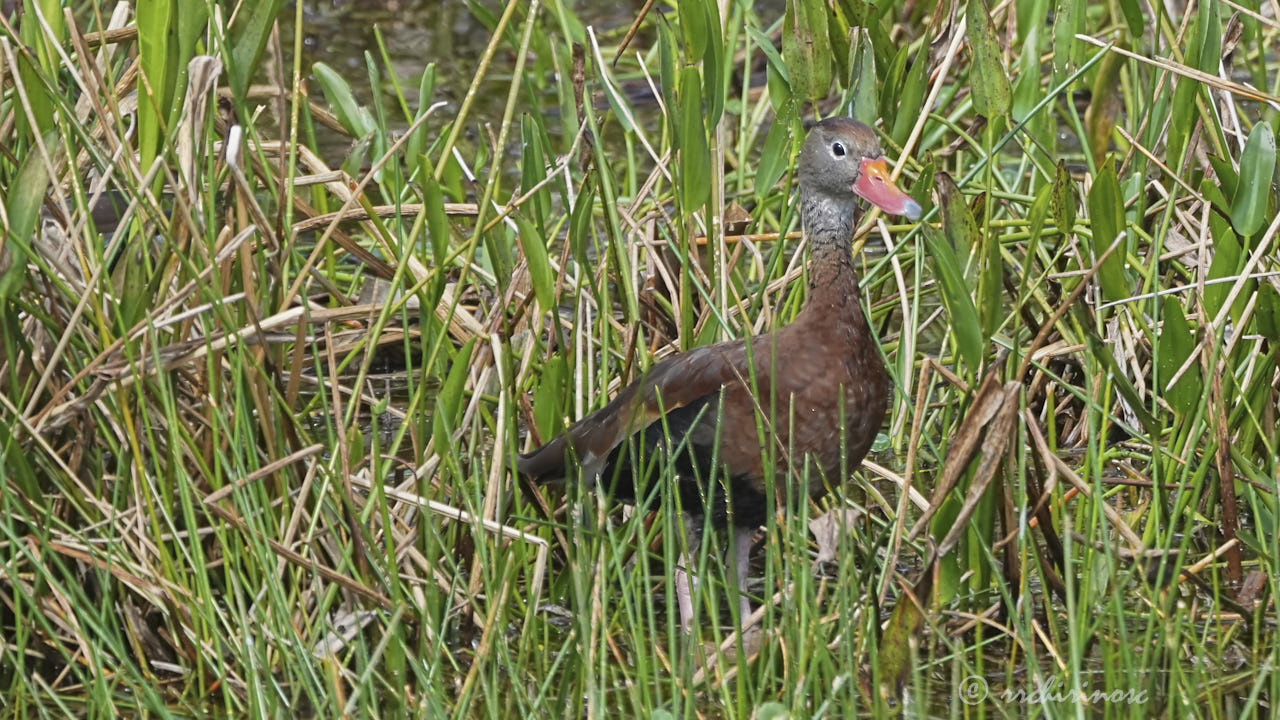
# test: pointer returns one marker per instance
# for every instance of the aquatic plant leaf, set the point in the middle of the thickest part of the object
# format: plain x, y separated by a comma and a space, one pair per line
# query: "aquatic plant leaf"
548, 397
1068, 52
1228, 259
806, 48
695, 155
354, 118
534, 248
1267, 316
449, 399
250, 28
22, 205
1249, 206
1106, 218
862, 80
987, 76
910, 103
1175, 345
965, 327
775, 153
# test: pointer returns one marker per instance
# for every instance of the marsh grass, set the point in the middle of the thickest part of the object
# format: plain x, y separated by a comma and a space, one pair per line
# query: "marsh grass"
234, 485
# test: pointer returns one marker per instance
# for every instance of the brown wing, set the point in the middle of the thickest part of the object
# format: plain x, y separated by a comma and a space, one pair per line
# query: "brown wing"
687, 380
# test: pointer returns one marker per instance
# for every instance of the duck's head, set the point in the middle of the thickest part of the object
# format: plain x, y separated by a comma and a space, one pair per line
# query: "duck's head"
841, 158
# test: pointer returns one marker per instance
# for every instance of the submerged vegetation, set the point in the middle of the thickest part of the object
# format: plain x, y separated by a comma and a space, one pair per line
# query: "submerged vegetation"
272, 330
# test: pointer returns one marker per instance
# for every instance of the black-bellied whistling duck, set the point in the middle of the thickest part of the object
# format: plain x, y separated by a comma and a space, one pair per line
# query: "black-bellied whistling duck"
798, 383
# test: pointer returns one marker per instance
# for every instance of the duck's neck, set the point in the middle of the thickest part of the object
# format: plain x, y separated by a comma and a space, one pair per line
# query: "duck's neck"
834, 296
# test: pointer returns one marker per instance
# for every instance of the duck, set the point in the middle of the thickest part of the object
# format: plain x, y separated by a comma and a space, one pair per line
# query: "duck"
796, 404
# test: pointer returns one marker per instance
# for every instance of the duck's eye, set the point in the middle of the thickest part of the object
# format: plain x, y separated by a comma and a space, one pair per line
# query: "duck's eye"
837, 149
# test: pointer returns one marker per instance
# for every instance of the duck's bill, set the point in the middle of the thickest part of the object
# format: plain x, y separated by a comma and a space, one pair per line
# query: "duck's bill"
873, 185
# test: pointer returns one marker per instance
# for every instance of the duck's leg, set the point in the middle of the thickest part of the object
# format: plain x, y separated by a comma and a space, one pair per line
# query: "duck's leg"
743, 539
685, 585
686, 581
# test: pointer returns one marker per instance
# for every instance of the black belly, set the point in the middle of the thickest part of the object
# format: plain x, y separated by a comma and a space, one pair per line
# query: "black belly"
638, 468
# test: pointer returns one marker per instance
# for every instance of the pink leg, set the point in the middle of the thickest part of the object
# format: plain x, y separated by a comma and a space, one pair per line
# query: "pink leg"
743, 539
686, 581
685, 584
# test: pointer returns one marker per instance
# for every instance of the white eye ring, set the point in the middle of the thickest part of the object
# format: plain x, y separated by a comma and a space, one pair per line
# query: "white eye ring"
837, 149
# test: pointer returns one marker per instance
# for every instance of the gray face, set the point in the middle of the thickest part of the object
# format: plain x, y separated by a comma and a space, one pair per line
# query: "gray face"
831, 159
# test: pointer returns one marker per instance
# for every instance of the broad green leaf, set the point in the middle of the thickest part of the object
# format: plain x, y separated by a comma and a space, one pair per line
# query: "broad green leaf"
548, 397
1026, 88
22, 206
533, 170
893, 661
377, 117
986, 275
350, 114
1249, 206
958, 224
991, 286
1133, 15
449, 399
169, 32
771, 55
806, 48
1228, 259
773, 711
1225, 173
1068, 52
1026, 15
133, 275
42, 60
1104, 105
1204, 50
695, 154
534, 249
862, 80
667, 75
838, 37
193, 23
1175, 345
870, 17
452, 177
777, 77
1213, 193
156, 32
1039, 213
895, 73
776, 151
1206, 45
955, 297
780, 94
1037, 216
1106, 218
416, 145
1062, 203
922, 190
910, 102
714, 76
580, 228
437, 220
696, 25
948, 567
1267, 315
987, 77
1181, 118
